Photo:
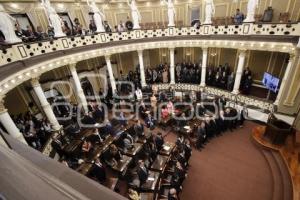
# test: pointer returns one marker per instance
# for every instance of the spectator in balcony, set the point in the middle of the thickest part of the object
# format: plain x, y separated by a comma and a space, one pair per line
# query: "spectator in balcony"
121, 27
107, 27
2, 37
129, 24
19, 32
92, 26
77, 27
39, 33
66, 29
238, 17
50, 32
29, 34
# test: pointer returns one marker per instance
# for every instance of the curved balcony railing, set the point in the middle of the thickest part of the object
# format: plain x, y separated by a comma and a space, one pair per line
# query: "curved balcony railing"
24, 51
264, 106
20, 62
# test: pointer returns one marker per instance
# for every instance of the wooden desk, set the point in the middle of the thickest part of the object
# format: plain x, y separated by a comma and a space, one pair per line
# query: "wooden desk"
159, 163
132, 152
151, 182
86, 166
122, 164
167, 149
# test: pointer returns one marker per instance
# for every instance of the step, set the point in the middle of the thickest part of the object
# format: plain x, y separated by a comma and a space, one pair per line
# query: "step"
286, 179
276, 175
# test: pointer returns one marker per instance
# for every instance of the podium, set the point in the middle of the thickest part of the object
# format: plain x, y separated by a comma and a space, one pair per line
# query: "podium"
277, 131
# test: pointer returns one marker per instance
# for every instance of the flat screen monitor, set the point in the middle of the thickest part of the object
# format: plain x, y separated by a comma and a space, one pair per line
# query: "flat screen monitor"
271, 82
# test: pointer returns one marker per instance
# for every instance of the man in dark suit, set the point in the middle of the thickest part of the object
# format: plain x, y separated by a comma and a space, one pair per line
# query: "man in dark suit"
88, 119
98, 171
139, 129
142, 172
201, 135
159, 141
150, 123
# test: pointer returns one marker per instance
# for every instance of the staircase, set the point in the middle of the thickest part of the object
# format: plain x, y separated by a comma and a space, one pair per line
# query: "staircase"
282, 185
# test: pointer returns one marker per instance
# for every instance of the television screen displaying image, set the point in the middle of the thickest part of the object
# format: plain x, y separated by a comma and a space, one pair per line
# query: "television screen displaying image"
271, 82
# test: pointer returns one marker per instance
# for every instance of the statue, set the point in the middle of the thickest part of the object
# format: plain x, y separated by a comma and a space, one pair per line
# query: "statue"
171, 12
99, 17
55, 21
209, 11
252, 5
7, 26
136, 16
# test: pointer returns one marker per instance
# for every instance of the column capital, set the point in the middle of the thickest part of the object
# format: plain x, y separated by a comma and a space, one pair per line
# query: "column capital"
2, 107
107, 57
205, 49
72, 65
35, 82
140, 50
172, 48
242, 52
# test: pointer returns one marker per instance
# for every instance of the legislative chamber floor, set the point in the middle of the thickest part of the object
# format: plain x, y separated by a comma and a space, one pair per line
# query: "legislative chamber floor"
232, 167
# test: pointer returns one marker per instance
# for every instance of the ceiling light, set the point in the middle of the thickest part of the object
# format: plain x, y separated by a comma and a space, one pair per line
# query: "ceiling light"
13, 80
20, 77
6, 86
28, 74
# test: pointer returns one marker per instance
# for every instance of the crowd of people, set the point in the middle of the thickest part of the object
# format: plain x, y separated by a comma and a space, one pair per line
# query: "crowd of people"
35, 131
187, 72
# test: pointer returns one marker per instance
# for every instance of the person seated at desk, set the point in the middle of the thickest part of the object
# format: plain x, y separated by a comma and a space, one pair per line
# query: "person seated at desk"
108, 129
180, 157
95, 137
98, 171
142, 172
88, 119
150, 151
178, 177
126, 141
73, 130
150, 122
138, 129
220, 121
162, 97
159, 141
98, 113
112, 156
86, 146
180, 140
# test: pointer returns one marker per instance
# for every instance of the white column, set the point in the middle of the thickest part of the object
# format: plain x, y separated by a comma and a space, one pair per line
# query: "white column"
204, 65
172, 66
45, 104
286, 75
142, 69
239, 72
78, 87
111, 74
9, 124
